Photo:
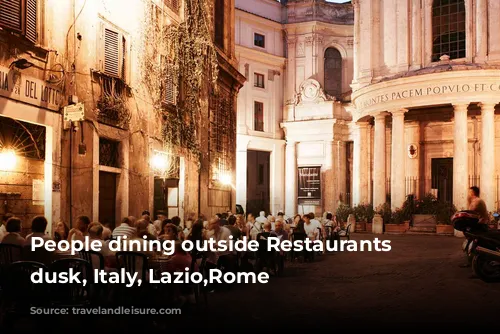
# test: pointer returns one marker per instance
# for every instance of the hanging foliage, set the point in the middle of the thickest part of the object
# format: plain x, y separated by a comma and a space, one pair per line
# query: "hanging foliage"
180, 67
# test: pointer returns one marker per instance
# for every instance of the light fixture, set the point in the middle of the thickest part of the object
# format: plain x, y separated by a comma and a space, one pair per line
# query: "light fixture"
8, 159
159, 161
225, 179
21, 64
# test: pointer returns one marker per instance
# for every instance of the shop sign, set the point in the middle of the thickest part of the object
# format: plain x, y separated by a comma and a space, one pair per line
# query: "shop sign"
17, 86
309, 183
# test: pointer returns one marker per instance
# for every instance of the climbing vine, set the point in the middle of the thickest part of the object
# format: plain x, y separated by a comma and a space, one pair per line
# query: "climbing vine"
181, 60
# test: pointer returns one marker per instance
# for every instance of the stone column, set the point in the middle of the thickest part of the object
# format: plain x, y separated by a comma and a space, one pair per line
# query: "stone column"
360, 170
398, 157
291, 178
241, 176
328, 186
356, 62
481, 26
488, 154
460, 157
416, 36
379, 170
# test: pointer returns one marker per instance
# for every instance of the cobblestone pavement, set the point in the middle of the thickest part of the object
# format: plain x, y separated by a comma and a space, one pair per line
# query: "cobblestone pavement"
417, 284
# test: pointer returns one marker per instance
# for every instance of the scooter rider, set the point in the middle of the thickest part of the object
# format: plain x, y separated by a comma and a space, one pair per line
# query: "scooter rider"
477, 205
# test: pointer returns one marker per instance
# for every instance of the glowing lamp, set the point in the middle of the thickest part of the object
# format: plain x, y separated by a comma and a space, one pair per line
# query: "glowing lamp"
159, 162
8, 159
225, 179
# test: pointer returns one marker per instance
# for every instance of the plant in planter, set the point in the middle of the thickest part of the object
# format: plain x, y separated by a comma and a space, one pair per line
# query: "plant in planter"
425, 213
369, 214
385, 212
397, 222
343, 212
360, 215
444, 211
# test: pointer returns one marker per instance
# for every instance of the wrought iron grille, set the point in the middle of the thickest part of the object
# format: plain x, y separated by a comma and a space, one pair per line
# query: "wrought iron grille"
25, 139
113, 103
448, 29
109, 153
222, 134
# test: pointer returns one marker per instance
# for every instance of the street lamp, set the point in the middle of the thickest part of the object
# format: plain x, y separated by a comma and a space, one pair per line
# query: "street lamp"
8, 159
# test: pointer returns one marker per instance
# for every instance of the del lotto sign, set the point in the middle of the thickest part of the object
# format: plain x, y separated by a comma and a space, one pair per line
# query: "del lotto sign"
17, 86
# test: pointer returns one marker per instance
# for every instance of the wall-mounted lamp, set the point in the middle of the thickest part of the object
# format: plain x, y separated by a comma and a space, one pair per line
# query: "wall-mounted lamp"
21, 64
225, 179
8, 159
159, 162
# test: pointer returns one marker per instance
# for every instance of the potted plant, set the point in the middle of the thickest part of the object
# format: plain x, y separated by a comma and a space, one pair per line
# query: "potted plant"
360, 215
444, 211
343, 212
396, 225
425, 212
369, 214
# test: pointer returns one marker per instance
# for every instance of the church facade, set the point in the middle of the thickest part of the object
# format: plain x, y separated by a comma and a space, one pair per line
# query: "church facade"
378, 100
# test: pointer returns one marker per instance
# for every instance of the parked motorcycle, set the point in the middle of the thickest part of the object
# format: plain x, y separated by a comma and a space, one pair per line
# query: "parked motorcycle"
482, 246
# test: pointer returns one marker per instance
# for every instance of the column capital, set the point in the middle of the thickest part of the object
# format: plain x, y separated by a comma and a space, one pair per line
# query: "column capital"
398, 112
380, 116
487, 105
361, 125
460, 107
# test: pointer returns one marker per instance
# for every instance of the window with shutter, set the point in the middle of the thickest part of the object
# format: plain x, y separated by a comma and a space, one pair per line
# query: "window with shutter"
111, 53
20, 16
31, 20
174, 5
169, 88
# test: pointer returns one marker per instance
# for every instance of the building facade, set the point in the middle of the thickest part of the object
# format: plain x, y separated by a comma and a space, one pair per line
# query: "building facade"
303, 52
105, 156
425, 91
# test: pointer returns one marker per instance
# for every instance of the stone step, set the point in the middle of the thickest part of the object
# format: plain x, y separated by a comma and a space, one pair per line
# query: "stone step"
424, 229
422, 233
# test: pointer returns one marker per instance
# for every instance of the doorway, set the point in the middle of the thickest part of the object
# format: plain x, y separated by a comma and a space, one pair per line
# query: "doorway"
442, 178
107, 198
258, 182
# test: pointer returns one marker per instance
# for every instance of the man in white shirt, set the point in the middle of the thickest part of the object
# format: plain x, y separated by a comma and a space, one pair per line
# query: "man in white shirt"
253, 227
217, 233
261, 218
311, 227
317, 223
126, 228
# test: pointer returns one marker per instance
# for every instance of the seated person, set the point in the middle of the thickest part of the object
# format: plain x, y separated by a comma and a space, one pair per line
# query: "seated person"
13, 236
96, 231
38, 227
265, 258
126, 228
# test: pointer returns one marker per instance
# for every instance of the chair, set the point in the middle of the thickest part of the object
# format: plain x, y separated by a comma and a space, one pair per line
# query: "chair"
72, 293
133, 262
295, 237
20, 293
96, 259
345, 233
8, 255
198, 288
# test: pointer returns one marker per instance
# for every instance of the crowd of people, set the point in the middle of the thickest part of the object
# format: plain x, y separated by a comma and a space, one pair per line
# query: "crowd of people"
220, 227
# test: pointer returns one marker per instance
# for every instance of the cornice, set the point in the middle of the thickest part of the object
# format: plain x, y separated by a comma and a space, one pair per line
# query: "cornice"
257, 55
